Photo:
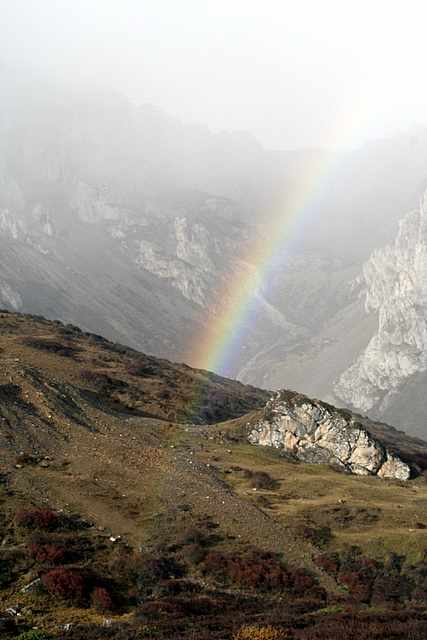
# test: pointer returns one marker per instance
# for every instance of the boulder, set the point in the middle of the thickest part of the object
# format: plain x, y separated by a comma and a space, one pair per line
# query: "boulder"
316, 432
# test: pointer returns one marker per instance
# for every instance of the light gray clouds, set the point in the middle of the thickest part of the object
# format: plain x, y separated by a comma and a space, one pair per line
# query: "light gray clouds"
295, 73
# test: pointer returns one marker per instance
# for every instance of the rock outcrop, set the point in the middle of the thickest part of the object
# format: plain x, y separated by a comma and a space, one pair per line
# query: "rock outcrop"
396, 290
316, 432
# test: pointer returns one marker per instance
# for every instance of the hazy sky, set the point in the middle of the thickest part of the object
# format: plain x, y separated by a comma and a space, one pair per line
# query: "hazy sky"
304, 72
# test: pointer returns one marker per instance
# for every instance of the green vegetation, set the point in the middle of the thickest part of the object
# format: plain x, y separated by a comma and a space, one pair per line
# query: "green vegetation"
118, 522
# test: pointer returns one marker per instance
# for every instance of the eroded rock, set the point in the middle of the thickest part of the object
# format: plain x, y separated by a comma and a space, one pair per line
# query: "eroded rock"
316, 432
395, 280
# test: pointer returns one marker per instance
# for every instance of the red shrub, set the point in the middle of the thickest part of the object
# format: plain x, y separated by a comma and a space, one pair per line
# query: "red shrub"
43, 519
154, 570
329, 563
257, 570
64, 583
181, 607
302, 581
101, 599
46, 553
359, 586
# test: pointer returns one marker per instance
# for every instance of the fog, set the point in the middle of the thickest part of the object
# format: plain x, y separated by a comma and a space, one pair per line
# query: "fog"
222, 184
295, 74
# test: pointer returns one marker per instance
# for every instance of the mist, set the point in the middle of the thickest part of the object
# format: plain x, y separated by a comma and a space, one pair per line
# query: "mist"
224, 184
294, 74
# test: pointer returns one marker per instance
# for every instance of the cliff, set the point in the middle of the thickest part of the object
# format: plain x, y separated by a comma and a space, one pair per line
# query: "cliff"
316, 432
396, 291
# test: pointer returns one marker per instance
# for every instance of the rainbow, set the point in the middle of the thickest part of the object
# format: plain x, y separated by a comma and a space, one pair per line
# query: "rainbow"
233, 311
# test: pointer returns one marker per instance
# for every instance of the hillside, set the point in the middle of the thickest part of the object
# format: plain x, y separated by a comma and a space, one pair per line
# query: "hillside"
130, 494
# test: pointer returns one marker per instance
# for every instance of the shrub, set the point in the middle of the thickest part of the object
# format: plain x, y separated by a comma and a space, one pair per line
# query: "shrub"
43, 519
198, 605
302, 581
177, 587
262, 480
46, 553
143, 369
101, 381
328, 562
26, 458
154, 609
359, 626
116, 631
253, 632
390, 587
64, 583
193, 553
101, 599
64, 349
358, 585
34, 634
318, 536
155, 570
196, 537
256, 569
420, 460
13, 563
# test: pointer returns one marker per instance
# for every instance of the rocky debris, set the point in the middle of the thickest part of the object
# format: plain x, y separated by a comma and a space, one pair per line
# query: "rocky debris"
32, 586
316, 432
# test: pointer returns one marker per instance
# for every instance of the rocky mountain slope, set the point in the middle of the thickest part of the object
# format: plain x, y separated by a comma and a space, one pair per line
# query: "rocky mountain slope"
128, 222
368, 351
123, 499
385, 377
110, 218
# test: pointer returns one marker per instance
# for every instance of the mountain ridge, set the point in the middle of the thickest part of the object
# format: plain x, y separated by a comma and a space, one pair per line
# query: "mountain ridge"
394, 279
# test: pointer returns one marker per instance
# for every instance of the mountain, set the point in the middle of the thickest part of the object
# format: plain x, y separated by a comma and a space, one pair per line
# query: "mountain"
120, 218
388, 377
127, 508
368, 352
127, 222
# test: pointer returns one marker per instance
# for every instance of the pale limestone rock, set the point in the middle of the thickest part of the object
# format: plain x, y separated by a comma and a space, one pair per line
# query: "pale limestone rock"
394, 468
316, 432
184, 277
93, 204
396, 289
9, 296
11, 225
43, 217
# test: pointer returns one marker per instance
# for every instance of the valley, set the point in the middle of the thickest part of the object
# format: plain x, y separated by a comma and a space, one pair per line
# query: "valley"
130, 223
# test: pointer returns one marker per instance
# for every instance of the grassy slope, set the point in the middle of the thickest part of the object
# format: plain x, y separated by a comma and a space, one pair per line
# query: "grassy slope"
117, 460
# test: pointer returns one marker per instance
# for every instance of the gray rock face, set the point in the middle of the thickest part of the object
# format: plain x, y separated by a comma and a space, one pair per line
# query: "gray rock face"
316, 432
10, 297
96, 231
396, 290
